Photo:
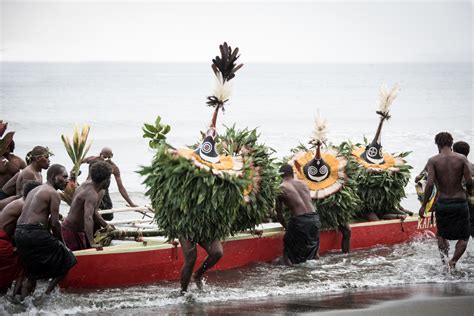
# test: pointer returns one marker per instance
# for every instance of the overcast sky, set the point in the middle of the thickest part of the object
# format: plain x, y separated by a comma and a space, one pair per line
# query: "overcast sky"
268, 31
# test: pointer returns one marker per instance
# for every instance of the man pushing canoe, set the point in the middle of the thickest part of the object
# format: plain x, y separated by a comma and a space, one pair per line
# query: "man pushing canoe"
301, 241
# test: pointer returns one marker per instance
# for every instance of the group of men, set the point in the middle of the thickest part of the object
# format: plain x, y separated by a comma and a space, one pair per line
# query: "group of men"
34, 244
450, 170
452, 174
30, 219
454, 209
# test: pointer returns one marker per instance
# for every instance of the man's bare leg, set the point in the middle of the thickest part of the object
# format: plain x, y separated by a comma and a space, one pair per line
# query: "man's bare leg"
27, 287
443, 246
459, 250
17, 288
190, 254
346, 237
215, 252
286, 261
54, 282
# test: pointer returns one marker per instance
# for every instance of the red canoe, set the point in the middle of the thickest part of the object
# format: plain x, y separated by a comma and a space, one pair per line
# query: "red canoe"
135, 263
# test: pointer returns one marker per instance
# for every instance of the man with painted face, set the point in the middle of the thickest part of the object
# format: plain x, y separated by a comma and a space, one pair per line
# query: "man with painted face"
447, 170
106, 155
78, 227
301, 241
44, 254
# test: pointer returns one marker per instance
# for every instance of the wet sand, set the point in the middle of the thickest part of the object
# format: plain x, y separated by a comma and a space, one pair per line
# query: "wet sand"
423, 299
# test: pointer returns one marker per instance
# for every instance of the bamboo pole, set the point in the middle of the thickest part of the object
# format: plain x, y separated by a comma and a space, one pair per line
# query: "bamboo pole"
127, 209
134, 221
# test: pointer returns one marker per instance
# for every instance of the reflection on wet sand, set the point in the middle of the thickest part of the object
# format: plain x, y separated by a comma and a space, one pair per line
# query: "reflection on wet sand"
422, 299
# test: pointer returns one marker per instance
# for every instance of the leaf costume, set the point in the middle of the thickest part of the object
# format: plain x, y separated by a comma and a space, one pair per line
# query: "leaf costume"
224, 185
324, 171
381, 177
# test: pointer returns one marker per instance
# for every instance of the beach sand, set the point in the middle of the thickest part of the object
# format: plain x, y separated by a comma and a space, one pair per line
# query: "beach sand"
420, 299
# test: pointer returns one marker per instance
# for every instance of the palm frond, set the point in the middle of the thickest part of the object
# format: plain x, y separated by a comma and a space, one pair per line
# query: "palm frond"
79, 147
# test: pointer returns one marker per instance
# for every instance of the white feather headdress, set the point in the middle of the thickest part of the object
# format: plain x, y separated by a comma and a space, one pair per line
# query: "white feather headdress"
320, 131
386, 99
222, 89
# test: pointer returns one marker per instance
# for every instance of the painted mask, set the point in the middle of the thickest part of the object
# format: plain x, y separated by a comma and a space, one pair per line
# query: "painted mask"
207, 150
373, 153
316, 170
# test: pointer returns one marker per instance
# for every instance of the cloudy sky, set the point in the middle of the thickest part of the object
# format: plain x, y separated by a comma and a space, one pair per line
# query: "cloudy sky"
269, 31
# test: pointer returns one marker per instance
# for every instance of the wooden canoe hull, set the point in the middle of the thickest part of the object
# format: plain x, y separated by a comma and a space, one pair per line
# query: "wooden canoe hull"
139, 263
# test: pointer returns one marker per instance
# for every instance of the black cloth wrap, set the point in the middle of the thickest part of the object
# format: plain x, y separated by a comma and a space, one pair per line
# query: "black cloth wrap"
452, 219
301, 241
42, 254
471, 215
106, 204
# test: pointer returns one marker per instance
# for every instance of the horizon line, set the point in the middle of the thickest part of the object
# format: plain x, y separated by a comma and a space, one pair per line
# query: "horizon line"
248, 62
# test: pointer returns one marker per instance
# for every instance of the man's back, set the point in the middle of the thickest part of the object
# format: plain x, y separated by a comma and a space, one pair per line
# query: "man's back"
83, 195
296, 197
10, 164
449, 169
9, 216
37, 205
29, 173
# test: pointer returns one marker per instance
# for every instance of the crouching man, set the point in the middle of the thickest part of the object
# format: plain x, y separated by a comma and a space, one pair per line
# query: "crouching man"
11, 268
301, 241
43, 254
78, 227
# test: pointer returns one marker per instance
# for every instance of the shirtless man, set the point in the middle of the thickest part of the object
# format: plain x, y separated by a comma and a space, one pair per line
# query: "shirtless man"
78, 226
10, 164
106, 155
447, 170
37, 160
10, 265
301, 240
463, 149
44, 254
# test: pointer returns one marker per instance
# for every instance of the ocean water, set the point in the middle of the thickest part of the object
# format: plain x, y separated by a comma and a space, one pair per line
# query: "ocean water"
42, 101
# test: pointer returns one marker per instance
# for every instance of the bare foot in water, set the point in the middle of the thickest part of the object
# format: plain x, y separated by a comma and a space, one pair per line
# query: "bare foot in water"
451, 265
198, 281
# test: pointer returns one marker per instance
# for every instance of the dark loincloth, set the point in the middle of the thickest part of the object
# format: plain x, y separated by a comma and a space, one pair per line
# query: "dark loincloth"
471, 214
42, 254
74, 240
452, 219
106, 204
301, 241
10, 263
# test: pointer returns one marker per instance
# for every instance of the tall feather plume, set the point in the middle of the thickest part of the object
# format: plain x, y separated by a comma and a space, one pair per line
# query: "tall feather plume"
320, 131
224, 68
386, 99
222, 89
